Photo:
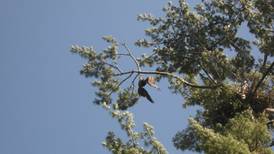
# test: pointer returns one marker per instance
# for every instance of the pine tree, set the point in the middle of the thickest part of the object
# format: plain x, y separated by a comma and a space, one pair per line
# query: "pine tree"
209, 63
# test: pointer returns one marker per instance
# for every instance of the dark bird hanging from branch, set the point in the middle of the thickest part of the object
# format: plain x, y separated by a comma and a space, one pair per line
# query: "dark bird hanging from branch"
141, 84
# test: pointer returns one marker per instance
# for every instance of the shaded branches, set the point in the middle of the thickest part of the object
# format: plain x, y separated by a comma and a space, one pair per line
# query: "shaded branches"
269, 69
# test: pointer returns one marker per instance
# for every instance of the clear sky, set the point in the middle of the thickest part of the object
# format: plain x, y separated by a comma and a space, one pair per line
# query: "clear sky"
45, 105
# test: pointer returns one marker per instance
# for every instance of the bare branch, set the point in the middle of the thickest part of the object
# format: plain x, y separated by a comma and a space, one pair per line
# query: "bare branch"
113, 66
130, 74
264, 62
151, 55
122, 54
170, 75
269, 109
132, 83
208, 75
125, 79
131, 56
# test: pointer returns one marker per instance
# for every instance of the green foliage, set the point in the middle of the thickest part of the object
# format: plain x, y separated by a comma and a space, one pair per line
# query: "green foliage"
126, 99
116, 146
253, 132
206, 60
146, 137
242, 134
212, 142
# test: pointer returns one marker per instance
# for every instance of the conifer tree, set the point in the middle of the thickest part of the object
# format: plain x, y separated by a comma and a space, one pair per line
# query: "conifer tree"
206, 61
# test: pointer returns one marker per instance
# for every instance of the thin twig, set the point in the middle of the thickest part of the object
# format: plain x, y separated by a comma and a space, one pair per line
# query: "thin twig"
131, 56
148, 56
132, 83
209, 76
134, 79
122, 54
171, 75
121, 82
113, 66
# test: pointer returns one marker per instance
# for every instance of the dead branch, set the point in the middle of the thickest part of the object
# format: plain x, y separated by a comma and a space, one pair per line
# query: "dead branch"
113, 66
269, 109
131, 56
121, 82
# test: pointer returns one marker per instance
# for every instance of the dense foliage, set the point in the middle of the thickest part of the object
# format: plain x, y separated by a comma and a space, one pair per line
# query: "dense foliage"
206, 60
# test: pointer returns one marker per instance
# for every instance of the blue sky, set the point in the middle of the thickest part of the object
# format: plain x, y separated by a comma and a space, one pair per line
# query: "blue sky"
45, 105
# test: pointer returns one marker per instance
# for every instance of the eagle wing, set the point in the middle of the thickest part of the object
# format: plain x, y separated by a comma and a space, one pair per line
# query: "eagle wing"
142, 92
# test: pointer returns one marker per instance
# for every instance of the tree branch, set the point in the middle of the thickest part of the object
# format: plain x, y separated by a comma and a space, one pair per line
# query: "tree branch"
263, 77
132, 83
130, 74
269, 109
264, 62
123, 54
131, 56
113, 66
208, 75
170, 75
